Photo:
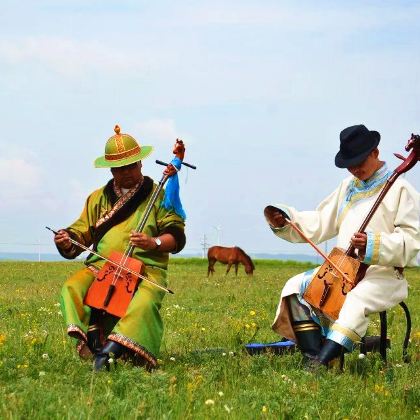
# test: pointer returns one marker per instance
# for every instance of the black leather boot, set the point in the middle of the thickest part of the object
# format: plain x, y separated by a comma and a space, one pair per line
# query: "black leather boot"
308, 335
330, 350
110, 349
94, 333
94, 339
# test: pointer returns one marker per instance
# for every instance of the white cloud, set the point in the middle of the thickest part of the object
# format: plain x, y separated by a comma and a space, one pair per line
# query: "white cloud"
296, 18
157, 129
17, 176
71, 58
78, 191
159, 132
22, 181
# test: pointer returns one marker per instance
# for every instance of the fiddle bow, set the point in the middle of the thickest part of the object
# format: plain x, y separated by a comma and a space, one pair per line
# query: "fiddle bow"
127, 269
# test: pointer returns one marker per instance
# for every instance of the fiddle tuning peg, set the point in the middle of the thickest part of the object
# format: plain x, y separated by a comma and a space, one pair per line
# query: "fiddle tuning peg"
159, 162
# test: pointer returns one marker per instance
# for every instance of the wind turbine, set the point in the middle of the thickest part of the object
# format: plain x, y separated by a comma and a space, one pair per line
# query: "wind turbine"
219, 233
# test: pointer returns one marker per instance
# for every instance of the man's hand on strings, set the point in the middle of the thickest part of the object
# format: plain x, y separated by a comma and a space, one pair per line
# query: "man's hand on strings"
141, 240
359, 241
274, 217
62, 240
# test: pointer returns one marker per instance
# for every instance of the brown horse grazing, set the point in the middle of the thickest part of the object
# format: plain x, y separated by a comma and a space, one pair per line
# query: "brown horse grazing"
229, 256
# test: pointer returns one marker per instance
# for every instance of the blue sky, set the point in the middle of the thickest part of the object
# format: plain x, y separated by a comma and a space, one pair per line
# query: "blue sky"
259, 91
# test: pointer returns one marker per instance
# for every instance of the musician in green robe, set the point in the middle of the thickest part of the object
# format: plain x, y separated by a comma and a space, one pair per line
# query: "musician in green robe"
108, 222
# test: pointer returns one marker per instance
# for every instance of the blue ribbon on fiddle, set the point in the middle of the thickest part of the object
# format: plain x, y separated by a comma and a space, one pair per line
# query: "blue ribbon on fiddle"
171, 200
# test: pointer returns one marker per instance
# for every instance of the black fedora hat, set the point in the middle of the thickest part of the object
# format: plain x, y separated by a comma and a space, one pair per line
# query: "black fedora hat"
356, 142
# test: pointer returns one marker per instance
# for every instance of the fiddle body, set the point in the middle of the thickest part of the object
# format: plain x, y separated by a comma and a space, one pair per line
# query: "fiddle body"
113, 288
328, 288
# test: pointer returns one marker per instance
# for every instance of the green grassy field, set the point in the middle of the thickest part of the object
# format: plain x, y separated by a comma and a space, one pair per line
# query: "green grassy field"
203, 371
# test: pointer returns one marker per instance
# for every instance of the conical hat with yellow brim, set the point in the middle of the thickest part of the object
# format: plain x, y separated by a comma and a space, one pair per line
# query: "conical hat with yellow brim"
121, 150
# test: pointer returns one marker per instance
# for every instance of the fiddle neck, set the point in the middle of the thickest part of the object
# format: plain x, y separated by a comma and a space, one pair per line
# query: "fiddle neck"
178, 151
351, 250
148, 210
408, 163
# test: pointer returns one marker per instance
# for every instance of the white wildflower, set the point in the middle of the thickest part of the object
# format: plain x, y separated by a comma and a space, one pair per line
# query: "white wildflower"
227, 408
209, 402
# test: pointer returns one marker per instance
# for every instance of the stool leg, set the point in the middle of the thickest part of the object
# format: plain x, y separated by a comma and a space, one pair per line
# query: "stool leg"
342, 360
363, 346
407, 332
384, 328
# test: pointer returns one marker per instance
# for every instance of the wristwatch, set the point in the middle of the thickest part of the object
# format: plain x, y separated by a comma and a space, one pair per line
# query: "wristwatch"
158, 242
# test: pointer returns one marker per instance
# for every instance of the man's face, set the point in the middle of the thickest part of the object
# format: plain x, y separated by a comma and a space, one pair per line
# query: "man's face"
368, 167
127, 176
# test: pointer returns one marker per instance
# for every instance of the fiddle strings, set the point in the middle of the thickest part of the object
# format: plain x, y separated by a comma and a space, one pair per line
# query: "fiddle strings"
340, 264
150, 204
122, 262
130, 248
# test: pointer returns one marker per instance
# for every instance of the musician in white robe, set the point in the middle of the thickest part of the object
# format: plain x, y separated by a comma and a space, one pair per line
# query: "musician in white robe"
390, 243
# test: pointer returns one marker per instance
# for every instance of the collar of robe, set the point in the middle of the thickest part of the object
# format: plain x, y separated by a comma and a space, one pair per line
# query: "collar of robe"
358, 190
